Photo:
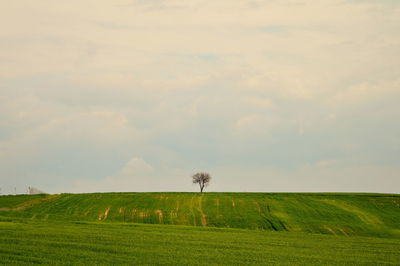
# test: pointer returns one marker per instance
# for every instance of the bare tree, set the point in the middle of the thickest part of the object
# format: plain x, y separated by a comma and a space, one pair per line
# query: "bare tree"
203, 179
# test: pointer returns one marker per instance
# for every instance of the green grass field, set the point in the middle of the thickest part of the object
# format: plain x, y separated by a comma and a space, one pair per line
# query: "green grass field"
203, 229
137, 244
337, 214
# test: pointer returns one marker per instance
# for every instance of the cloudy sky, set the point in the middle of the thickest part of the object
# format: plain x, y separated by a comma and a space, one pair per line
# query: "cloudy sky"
137, 95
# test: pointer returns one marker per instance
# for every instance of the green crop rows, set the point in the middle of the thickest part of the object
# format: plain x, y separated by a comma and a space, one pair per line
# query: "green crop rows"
229, 228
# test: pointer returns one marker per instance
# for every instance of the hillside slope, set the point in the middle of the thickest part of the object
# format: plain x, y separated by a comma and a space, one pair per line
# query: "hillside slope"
337, 214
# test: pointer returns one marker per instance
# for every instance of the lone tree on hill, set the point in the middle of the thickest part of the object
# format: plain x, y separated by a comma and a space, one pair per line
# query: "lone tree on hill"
203, 179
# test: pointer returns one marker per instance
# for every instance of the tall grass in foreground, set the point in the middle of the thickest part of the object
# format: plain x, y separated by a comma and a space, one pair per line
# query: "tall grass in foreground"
26, 242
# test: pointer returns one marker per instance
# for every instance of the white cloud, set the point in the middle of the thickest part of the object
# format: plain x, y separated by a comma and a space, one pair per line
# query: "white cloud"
258, 102
135, 166
136, 175
366, 92
324, 176
196, 83
254, 122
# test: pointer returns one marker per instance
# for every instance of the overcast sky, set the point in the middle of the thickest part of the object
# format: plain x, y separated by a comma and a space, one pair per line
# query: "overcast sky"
274, 95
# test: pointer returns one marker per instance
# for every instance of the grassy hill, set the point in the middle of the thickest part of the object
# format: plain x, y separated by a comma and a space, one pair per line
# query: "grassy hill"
336, 214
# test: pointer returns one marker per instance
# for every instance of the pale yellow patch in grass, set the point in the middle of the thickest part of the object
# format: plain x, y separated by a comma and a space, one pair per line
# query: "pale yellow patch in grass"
200, 208
329, 229
364, 216
343, 231
160, 216
87, 212
104, 215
